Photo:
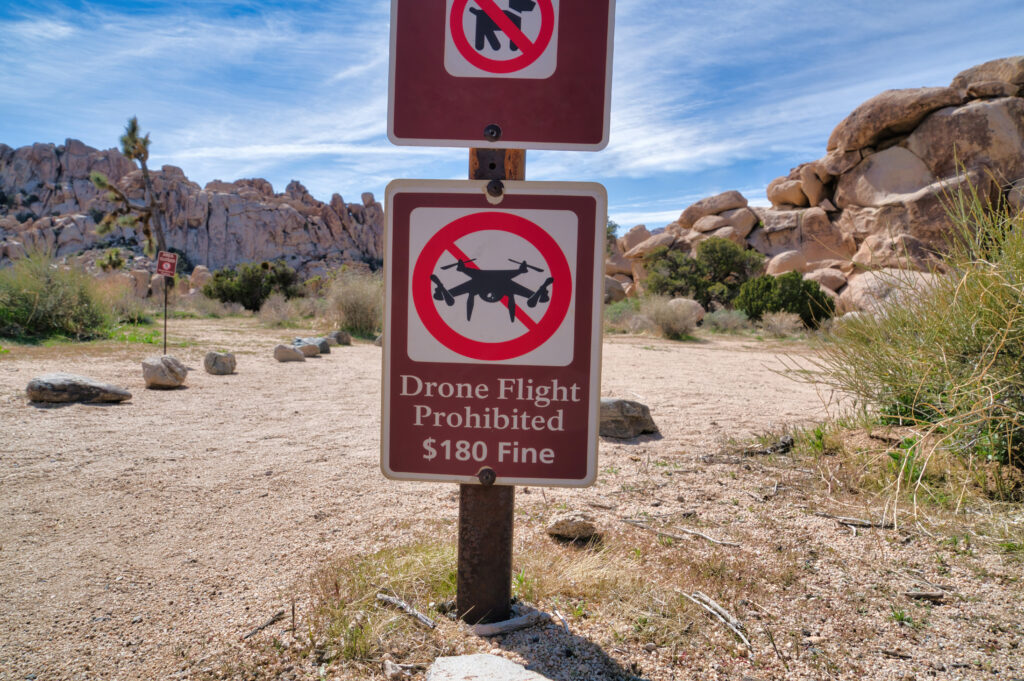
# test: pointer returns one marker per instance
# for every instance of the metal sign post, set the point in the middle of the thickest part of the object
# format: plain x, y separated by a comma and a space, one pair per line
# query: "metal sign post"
166, 265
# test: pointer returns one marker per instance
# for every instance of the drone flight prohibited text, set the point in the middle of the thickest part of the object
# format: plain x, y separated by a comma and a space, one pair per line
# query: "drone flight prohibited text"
491, 359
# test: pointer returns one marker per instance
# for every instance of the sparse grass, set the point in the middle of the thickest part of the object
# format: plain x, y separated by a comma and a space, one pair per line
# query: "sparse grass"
674, 321
624, 316
727, 321
782, 324
355, 303
136, 334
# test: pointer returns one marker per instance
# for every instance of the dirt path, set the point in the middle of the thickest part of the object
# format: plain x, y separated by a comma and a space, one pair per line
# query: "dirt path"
135, 536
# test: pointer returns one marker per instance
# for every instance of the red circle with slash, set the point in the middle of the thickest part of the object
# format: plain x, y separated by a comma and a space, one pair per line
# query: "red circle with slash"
531, 49
538, 332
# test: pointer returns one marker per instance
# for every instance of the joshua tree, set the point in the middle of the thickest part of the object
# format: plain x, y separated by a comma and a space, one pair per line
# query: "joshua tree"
149, 214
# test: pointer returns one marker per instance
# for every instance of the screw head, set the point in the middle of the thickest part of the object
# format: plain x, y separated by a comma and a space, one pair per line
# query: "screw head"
496, 188
487, 476
492, 132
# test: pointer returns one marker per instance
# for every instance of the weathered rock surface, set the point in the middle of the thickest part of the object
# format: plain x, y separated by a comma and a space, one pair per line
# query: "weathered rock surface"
651, 244
572, 525
712, 205
61, 388
872, 291
613, 290
288, 353
883, 178
163, 372
625, 418
891, 113
219, 363
1008, 70
308, 349
322, 344
479, 668
691, 307
340, 337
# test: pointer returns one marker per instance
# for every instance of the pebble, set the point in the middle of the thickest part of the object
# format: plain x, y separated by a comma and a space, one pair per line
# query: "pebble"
650, 647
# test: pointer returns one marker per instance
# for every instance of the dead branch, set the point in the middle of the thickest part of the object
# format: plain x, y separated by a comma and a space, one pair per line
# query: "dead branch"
855, 522
721, 619
278, 616
894, 653
660, 533
933, 596
408, 609
515, 624
780, 447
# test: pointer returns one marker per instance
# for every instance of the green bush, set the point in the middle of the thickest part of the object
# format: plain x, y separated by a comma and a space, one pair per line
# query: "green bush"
788, 292
111, 260
38, 299
250, 284
715, 275
949, 356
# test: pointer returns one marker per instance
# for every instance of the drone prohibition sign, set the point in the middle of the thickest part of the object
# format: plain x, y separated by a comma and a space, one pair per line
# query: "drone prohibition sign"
427, 290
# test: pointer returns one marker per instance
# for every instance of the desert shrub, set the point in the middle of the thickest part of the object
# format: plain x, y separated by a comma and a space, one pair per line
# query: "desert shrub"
714, 275
38, 299
118, 296
788, 292
727, 321
201, 306
111, 260
250, 284
674, 321
948, 358
619, 315
781, 324
276, 311
355, 303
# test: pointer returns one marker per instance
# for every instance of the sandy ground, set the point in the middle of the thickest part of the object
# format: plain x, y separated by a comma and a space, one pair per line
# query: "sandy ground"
136, 538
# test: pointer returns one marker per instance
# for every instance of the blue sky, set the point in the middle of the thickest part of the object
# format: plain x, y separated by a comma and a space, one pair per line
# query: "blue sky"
708, 95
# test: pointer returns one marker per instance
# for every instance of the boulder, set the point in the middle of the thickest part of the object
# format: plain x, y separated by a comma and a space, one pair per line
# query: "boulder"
780, 231
479, 667
650, 245
307, 349
140, 279
163, 372
987, 89
901, 251
219, 363
828, 278
613, 291
710, 223
639, 276
812, 184
873, 291
743, 220
288, 353
891, 113
340, 337
787, 261
322, 344
201, 276
883, 178
785, 192
983, 134
728, 233
692, 307
836, 162
617, 263
572, 525
632, 238
625, 419
820, 239
1006, 70
712, 205
62, 388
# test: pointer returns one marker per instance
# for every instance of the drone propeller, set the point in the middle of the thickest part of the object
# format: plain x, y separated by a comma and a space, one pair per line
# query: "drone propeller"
523, 262
456, 264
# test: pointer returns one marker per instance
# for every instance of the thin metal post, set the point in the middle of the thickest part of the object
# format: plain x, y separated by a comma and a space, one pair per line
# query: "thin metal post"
165, 313
486, 511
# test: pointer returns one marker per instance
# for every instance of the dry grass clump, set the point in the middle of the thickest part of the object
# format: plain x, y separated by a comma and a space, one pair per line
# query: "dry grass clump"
281, 312
673, 320
201, 306
355, 303
781, 324
727, 321
118, 295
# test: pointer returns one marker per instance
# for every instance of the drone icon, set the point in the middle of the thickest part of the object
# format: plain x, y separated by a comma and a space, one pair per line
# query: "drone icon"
492, 286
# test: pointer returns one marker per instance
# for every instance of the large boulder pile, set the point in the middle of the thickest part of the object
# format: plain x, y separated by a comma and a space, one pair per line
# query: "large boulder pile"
47, 201
876, 199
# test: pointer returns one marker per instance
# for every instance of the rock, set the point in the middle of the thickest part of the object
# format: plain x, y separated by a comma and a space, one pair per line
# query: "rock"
650, 245
991, 88
891, 113
379, 341
340, 337
308, 349
883, 178
156, 285
712, 205
873, 291
985, 134
728, 233
901, 251
393, 672
201, 276
639, 276
1007, 70
812, 184
787, 261
163, 372
140, 279
617, 263
780, 232
837, 162
479, 667
710, 223
573, 525
820, 239
60, 388
288, 353
613, 291
625, 418
219, 363
1015, 195
632, 238
322, 344
743, 220
783, 191
828, 277
695, 309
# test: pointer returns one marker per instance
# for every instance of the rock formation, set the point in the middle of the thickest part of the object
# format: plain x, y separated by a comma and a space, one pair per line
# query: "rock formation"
876, 200
47, 201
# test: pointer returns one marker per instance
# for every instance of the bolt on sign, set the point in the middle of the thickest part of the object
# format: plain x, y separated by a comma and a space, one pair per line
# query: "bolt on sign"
514, 74
492, 332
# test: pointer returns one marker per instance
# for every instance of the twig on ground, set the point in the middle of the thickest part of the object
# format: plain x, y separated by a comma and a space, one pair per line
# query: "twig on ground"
515, 624
408, 609
856, 522
771, 639
278, 616
565, 625
894, 653
933, 596
780, 447
694, 533
720, 618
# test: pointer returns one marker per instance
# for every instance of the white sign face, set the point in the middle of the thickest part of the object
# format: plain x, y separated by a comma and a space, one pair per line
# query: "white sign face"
498, 277
501, 38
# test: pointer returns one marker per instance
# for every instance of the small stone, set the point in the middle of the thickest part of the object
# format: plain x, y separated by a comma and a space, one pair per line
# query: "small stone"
163, 372
574, 525
379, 341
322, 344
308, 350
625, 418
287, 353
340, 337
650, 647
61, 388
219, 363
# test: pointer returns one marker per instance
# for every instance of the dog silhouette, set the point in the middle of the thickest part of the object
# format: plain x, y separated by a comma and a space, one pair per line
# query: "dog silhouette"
487, 30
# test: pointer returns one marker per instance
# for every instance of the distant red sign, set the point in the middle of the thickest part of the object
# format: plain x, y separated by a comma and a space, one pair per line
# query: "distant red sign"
166, 263
492, 332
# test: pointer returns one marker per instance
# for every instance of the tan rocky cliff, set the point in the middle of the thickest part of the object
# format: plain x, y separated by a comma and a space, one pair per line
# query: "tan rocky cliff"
876, 200
47, 201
